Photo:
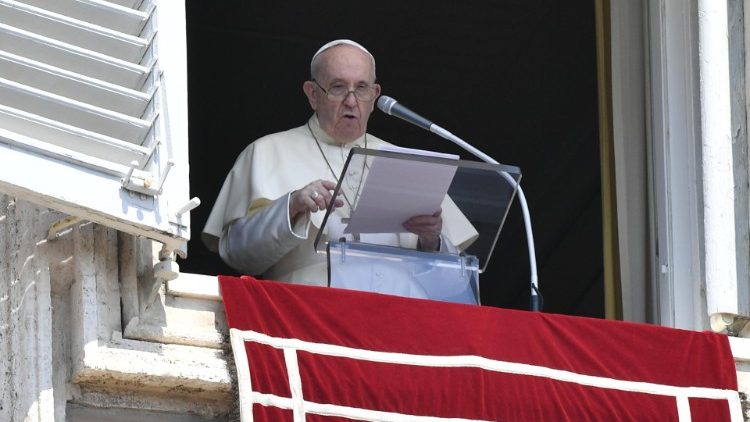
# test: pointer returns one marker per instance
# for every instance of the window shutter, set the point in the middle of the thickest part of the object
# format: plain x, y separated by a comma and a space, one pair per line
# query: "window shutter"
93, 111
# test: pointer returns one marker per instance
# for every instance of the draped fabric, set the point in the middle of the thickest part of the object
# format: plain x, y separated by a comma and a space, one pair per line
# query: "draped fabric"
306, 353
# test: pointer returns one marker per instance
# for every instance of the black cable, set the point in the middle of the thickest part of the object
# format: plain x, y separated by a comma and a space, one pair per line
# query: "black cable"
541, 298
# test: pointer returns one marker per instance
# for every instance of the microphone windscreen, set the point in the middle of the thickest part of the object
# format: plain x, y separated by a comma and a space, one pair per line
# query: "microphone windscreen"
385, 103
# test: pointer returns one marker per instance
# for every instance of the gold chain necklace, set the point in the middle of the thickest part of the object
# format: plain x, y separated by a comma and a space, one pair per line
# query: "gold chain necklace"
362, 176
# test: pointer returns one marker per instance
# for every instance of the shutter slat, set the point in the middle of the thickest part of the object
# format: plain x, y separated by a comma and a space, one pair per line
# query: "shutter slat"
73, 85
133, 4
74, 113
102, 13
73, 156
74, 138
73, 31
72, 58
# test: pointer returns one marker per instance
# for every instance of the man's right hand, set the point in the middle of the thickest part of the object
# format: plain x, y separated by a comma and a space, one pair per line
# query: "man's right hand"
315, 196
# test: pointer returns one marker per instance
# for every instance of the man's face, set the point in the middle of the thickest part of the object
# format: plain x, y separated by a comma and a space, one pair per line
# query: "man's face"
346, 119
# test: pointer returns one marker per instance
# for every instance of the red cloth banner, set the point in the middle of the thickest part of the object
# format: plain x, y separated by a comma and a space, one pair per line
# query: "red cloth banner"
318, 354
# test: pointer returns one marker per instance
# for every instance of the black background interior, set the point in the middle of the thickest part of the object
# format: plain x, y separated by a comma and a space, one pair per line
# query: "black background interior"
517, 78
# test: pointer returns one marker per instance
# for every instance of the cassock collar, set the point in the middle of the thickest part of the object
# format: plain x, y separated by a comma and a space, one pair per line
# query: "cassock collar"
323, 137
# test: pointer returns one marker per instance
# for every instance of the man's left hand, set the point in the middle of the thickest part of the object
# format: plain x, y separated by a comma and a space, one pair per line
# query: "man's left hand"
428, 228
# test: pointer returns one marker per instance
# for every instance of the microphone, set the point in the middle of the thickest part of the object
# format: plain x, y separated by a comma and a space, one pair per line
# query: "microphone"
391, 107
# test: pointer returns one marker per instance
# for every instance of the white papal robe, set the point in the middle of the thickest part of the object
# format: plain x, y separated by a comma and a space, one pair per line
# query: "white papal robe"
249, 224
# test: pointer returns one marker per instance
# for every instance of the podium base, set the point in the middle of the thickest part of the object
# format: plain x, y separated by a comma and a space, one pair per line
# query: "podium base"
403, 272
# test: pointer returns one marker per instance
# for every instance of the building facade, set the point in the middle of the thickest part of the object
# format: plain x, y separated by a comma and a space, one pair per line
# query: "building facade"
98, 323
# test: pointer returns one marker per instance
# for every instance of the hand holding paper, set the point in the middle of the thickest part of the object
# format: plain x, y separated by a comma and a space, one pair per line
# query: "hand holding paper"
397, 190
428, 228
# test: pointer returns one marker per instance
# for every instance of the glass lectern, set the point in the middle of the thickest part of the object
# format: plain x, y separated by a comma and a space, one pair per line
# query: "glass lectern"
369, 249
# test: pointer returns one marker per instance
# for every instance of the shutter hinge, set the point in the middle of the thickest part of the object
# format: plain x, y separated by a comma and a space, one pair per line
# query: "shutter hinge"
145, 185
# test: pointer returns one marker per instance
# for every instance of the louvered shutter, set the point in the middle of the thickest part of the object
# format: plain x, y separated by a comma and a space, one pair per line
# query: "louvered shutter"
93, 111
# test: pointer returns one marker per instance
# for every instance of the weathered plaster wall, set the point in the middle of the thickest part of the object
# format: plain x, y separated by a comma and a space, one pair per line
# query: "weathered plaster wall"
61, 328
738, 98
27, 358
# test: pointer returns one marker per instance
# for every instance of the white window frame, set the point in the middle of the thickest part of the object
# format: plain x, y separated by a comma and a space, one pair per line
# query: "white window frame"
656, 135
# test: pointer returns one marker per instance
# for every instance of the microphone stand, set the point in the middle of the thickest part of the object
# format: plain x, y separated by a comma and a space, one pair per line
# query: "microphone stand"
535, 298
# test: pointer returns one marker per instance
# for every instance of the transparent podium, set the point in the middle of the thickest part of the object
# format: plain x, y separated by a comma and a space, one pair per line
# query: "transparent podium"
369, 249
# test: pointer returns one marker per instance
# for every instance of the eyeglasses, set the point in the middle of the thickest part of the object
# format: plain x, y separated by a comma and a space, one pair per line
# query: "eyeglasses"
340, 91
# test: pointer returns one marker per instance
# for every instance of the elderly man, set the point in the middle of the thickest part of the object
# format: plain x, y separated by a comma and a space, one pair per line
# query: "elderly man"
272, 203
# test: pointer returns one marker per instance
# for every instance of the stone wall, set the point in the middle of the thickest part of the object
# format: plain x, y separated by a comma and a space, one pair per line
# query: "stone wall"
27, 356
61, 327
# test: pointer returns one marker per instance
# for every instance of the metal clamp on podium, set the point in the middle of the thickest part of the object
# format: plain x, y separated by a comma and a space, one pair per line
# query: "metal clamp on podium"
368, 247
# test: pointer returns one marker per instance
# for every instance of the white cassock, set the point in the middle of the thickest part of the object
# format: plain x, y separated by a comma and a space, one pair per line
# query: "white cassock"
249, 224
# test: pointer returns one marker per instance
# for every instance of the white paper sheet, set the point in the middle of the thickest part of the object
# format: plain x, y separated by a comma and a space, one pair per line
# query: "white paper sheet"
396, 190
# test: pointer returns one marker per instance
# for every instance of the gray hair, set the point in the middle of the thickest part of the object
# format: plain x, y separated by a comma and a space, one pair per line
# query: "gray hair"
315, 63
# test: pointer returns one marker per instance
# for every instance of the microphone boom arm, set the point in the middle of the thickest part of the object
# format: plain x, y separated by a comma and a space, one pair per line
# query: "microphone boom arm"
535, 300
391, 107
